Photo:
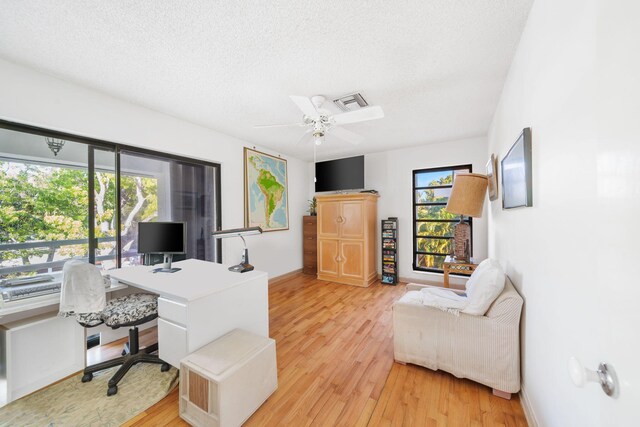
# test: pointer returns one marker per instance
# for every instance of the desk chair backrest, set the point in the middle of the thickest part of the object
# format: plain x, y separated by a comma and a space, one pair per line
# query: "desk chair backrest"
82, 290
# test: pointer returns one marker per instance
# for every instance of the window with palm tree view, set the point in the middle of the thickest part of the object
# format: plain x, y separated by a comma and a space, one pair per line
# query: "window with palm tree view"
432, 224
59, 199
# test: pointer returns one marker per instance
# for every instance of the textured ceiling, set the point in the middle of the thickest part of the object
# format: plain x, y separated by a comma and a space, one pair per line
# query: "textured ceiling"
436, 67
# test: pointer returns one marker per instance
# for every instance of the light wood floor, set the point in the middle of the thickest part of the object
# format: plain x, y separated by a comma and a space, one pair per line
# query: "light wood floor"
336, 368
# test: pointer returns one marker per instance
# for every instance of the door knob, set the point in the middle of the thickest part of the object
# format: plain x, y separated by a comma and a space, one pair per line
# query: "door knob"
605, 375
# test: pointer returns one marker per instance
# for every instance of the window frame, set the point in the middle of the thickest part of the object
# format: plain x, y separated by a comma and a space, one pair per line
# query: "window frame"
117, 148
415, 221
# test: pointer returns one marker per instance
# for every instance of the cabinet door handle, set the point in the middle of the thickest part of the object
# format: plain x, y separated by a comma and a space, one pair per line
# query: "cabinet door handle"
339, 219
338, 259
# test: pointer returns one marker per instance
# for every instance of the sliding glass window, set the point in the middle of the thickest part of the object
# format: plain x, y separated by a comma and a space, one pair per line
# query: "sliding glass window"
63, 197
156, 188
43, 204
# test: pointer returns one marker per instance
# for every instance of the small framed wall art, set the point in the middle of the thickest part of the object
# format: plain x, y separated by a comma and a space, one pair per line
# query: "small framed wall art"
516, 173
492, 177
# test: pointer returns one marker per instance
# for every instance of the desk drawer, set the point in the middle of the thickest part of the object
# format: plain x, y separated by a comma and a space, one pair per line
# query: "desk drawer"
172, 342
172, 311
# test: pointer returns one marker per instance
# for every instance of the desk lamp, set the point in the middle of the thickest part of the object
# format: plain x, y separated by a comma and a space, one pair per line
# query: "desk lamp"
244, 265
467, 198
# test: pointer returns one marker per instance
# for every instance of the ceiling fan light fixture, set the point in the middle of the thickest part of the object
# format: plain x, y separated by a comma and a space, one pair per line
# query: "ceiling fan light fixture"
320, 121
318, 137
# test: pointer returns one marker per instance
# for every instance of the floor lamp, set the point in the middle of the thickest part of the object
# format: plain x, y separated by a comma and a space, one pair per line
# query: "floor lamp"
244, 265
466, 199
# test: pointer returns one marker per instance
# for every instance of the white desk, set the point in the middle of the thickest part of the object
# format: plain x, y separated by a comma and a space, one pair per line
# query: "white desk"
200, 303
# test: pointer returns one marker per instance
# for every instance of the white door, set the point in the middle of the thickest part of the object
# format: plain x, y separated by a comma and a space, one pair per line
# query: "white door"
618, 175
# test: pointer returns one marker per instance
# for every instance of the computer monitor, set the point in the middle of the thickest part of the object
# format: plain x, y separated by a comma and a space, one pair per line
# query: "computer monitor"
166, 238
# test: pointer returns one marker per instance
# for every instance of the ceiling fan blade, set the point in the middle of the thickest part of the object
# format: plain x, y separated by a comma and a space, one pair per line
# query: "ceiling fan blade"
346, 135
280, 125
368, 113
305, 105
305, 137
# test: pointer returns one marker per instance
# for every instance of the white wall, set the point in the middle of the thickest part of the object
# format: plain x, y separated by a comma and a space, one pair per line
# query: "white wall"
574, 81
391, 172
34, 98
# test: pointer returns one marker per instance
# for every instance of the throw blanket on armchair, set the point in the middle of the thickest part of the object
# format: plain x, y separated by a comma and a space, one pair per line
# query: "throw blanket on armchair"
483, 287
444, 300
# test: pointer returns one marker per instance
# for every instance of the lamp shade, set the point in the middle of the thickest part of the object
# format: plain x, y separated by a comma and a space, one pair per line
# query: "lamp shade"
467, 194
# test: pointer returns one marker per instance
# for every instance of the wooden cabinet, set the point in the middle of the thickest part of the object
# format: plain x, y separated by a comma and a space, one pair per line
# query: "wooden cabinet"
328, 212
347, 238
328, 253
309, 245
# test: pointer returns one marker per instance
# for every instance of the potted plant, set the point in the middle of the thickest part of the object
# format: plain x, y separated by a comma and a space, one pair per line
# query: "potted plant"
313, 205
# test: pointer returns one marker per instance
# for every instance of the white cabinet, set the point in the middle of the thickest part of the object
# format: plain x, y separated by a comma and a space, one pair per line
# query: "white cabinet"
223, 383
37, 351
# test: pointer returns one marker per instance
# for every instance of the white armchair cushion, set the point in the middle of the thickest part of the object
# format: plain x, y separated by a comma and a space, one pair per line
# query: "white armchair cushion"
484, 286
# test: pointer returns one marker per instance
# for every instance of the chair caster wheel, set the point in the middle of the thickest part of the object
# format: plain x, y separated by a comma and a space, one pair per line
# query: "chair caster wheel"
112, 390
165, 367
87, 377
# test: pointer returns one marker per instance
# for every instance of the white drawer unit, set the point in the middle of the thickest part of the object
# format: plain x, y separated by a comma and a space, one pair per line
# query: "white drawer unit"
226, 381
172, 311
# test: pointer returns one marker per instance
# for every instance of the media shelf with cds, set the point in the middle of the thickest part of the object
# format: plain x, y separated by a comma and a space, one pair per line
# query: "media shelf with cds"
390, 251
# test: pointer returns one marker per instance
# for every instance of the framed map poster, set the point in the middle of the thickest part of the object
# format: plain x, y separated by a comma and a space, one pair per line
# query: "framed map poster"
266, 201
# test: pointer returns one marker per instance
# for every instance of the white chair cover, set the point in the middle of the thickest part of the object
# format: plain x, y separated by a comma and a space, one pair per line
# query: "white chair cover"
83, 289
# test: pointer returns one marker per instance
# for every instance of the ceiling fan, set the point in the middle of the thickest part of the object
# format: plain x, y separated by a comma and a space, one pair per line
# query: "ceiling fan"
320, 121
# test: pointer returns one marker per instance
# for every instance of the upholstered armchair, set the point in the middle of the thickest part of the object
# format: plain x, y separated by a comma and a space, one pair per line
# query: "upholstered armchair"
485, 348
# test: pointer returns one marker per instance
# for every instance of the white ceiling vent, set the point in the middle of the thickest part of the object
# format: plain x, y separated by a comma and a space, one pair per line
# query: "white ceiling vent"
350, 102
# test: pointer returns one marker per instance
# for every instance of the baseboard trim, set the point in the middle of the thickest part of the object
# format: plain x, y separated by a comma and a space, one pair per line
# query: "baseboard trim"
528, 409
283, 277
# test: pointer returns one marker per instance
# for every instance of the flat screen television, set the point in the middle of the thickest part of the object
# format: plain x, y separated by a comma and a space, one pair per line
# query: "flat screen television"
166, 238
340, 174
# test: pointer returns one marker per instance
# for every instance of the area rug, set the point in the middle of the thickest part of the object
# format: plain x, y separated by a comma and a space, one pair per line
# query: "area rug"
73, 403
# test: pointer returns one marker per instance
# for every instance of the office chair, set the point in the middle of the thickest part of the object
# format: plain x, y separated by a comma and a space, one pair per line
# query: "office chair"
127, 311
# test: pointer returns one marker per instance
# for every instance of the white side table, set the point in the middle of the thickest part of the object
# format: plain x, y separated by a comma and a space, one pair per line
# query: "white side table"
226, 381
